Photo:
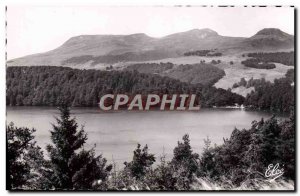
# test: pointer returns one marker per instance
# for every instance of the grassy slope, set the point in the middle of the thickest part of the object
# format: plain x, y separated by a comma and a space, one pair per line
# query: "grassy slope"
233, 72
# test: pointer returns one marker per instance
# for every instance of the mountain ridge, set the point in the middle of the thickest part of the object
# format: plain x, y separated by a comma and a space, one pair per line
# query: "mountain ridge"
139, 46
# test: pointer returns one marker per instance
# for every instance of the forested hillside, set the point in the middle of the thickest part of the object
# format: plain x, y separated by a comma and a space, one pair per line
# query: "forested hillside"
286, 58
263, 60
50, 86
201, 73
277, 96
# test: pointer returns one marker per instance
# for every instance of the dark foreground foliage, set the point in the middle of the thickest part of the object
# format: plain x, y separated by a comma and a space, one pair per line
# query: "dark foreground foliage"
22, 152
68, 167
50, 86
239, 163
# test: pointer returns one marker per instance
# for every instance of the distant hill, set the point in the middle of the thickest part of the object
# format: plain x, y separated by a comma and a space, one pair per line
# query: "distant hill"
106, 49
270, 38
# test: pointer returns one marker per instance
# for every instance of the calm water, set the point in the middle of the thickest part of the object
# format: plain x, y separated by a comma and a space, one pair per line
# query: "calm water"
116, 134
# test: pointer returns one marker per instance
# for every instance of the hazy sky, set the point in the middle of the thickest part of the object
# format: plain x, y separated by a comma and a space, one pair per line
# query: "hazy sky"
39, 29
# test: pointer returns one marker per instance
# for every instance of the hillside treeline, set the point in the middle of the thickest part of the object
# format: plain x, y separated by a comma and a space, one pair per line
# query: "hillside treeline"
208, 53
256, 63
277, 96
286, 58
50, 86
202, 73
289, 77
264, 60
239, 163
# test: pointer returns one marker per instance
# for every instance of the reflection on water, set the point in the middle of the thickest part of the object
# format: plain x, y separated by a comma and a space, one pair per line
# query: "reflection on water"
117, 133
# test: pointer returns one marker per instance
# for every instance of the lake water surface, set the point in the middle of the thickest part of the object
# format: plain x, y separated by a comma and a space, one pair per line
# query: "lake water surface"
116, 134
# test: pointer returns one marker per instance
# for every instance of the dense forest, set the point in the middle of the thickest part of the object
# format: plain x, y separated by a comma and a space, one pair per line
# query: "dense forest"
277, 96
202, 73
50, 86
208, 53
286, 58
264, 60
239, 163
256, 63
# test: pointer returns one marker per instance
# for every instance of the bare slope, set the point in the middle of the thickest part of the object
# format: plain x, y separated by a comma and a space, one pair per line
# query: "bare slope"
91, 50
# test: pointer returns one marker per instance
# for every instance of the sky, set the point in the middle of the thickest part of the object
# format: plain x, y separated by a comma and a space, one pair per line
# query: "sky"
36, 29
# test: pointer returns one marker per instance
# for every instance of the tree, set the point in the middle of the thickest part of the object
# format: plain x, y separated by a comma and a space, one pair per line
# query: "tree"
243, 82
286, 147
185, 162
208, 166
214, 62
73, 167
21, 148
164, 175
141, 162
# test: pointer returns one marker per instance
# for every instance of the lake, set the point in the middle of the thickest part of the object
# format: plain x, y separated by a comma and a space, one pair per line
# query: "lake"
117, 133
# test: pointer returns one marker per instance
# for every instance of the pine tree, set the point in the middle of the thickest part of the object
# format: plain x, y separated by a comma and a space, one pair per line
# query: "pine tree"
73, 167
